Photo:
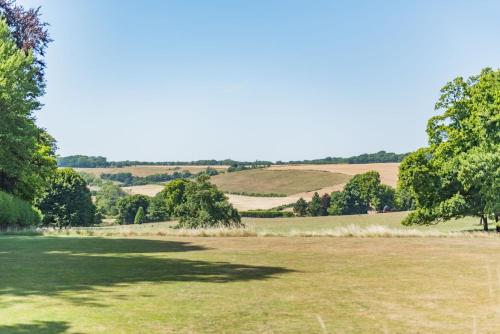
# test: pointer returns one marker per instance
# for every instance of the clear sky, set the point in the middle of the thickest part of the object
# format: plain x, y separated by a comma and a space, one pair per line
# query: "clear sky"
275, 80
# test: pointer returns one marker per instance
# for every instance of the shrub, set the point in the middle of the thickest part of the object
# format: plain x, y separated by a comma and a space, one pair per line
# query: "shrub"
314, 206
140, 216
16, 212
266, 214
300, 207
158, 210
67, 201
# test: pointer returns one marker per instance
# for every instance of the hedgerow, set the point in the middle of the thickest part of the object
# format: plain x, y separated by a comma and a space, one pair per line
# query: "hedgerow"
15, 212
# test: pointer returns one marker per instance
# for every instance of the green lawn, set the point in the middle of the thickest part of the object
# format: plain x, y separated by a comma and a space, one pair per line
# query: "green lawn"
249, 285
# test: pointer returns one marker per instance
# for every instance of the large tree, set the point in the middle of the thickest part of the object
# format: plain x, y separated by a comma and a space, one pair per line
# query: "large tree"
458, 174
206, 206
26, 152
66, 201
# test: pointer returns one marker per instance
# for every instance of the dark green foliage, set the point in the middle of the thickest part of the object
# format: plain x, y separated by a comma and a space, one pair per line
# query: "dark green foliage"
82, 161
314, 207
140, 216
300, 207
266, 214
236, 167
338, 203
325, 204
107, 197
128, 207
173, 194
15, 212
458, 174
206, 206
66, 201
158, 210
127, 179
362, 193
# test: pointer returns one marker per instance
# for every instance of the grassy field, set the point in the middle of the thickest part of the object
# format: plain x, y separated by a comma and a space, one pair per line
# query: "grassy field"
287, 182
316, 225
249, 285
148, 170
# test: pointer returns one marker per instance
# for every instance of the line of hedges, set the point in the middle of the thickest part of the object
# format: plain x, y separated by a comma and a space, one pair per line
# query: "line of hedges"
15, 212
243, 193
266, 214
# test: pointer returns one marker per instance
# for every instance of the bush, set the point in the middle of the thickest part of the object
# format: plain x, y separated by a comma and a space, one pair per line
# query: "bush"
266, 214
67, 201
15, 212
140, 216
128, 207
300, 207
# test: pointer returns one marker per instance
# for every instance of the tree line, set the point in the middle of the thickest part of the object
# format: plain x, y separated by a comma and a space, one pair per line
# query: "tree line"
83, 161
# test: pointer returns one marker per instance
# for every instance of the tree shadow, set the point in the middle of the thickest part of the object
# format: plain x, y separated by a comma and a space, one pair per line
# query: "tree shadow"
51, 266
41, 327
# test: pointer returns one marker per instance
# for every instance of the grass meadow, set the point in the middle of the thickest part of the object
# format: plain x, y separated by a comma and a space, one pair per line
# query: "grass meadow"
160, 283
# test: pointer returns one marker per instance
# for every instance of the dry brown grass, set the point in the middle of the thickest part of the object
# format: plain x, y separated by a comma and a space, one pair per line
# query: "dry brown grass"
148, 189
148, 170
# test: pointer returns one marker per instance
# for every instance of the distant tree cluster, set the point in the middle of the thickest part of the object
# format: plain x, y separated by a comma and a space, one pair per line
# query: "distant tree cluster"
361, 194
82, 161
378, 157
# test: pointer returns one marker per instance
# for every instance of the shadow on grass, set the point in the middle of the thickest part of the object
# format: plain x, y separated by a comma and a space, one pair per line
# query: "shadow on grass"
42, 327
51, 266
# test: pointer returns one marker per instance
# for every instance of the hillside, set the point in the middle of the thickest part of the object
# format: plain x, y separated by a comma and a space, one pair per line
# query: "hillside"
285, 182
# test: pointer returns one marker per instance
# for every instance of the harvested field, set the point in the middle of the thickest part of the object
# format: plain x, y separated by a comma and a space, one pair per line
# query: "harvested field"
148, 189
148, 170
388, 171
287, 182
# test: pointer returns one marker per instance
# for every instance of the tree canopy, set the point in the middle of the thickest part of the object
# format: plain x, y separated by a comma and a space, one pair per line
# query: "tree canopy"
66, 201
458, 174
27, 152
206, 206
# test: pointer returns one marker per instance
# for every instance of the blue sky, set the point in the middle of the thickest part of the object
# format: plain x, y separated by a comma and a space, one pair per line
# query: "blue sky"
275, 80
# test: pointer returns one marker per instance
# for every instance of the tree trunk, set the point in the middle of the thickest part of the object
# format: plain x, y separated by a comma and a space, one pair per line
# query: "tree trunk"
485, 224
